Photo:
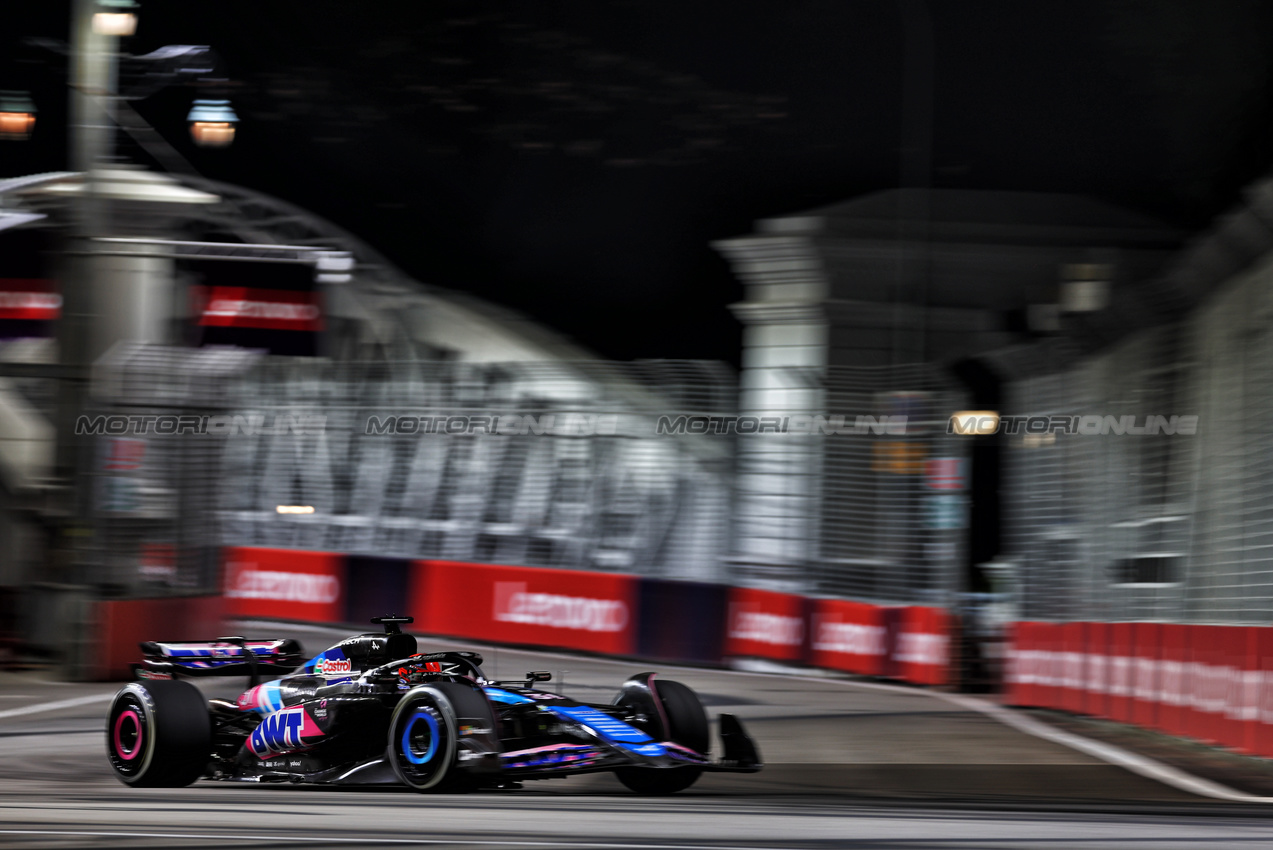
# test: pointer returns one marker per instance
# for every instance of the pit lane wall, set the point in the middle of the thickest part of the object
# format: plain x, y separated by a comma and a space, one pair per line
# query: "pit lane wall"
605, 613
1213, 684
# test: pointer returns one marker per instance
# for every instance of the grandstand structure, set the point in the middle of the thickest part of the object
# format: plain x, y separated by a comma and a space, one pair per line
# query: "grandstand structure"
589, 483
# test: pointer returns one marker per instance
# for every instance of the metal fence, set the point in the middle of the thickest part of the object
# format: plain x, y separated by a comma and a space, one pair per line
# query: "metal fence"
568, 465
851, 504
1171, 527
552, 464
894, 506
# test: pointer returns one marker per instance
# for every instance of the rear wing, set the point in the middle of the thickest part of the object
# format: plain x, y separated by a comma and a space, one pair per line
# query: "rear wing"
226, 656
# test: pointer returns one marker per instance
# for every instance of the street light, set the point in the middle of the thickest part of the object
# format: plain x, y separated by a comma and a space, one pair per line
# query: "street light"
115, 17
212, 123
17, 116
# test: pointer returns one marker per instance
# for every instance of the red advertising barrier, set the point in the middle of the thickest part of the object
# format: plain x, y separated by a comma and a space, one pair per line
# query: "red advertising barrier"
848, 636
1243, 709
1262, 722
765, 624
1226, 694
1173, 691
285, 584
1201, 710
602, 612
1147, 646
1073, 667
124, 623
1096, 672
1014, 646
1121, 638
595, 612
1048, 684
1027, 664
1210, 683
922, 651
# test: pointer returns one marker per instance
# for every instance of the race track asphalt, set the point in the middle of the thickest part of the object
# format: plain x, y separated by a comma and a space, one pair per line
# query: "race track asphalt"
849, 764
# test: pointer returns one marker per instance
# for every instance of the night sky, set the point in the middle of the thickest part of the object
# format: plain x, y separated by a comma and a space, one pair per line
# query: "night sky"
573, 160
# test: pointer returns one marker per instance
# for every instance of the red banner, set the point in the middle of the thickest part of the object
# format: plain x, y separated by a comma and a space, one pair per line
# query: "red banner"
29, 299
848, 636
286, 584
596, 612
765, 624
249, 307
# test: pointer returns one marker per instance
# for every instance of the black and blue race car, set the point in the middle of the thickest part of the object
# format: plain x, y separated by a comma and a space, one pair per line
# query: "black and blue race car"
374, 710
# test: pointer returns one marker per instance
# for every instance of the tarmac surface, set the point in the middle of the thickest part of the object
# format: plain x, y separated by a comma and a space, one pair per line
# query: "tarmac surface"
848, 764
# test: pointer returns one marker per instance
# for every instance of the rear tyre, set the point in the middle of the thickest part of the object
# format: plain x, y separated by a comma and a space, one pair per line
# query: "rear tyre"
686, 723
422, 739
158, 734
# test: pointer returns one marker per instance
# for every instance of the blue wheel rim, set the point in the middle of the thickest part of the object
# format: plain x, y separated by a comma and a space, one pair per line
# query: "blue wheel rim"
407, 751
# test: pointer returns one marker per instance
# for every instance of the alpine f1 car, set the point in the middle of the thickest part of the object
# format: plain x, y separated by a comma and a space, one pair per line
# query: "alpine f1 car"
373, 710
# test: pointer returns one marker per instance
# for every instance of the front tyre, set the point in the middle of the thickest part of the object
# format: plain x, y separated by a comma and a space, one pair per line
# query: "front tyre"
158, 734
686, 724
422, 739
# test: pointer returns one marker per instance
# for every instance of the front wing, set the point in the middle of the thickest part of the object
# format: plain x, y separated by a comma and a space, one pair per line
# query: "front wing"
605, 753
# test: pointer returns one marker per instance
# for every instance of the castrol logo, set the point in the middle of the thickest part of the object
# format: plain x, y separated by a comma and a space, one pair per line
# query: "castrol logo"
332, 666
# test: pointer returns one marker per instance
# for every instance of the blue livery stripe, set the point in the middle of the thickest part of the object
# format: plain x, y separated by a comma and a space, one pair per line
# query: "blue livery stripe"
504, 697
610, 729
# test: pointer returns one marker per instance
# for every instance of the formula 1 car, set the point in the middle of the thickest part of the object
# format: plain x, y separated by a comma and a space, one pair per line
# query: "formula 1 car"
373, 710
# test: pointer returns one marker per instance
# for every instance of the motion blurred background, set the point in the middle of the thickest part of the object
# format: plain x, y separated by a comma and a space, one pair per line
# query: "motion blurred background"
807, 232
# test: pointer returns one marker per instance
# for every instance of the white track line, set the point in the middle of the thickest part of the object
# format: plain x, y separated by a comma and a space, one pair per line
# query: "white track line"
54, 706
468, 842
1136, 763
1108, 753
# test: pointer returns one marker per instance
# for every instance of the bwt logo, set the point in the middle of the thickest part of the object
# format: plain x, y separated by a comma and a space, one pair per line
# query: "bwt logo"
289, 729
514, 605
283, 587
774, 629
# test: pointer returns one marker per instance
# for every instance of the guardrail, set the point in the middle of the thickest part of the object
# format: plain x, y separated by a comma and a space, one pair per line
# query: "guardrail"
604, 613
1210, 683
